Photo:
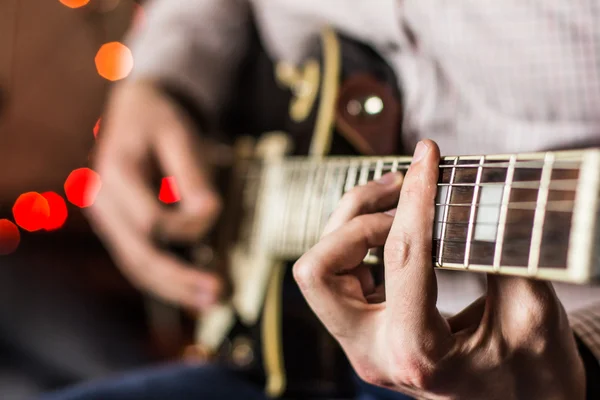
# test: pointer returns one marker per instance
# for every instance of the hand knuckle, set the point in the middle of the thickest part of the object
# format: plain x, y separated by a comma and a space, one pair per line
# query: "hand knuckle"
352, 199
413, 369
371, 375
366, 225
398, 249
304, 273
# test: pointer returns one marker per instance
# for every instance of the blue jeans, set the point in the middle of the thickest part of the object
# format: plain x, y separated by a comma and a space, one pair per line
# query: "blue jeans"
188, 382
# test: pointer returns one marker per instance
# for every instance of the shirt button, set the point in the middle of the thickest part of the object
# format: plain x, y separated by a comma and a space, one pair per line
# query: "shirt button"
391, 47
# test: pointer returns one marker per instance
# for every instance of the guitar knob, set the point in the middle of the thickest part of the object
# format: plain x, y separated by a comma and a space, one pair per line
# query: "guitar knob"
370, 106
242, 352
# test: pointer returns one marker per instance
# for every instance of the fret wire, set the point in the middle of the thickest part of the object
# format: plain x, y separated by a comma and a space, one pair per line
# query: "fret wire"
322, 192
308, 189
383, 163
538, 217
295, 209
308, 215
504, 212
290, 174
378, 169
351, 178
446, 210
295, 205
257, 229
330, 171
337, 195
278, 206
314, 216
364, 173
334, 179
472, 214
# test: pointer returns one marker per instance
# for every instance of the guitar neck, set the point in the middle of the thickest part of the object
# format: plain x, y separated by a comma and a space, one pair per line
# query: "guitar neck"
527, 214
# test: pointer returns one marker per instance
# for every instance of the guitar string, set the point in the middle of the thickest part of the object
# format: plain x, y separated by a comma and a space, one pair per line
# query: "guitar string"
372, 164
563, 184
566, 184
309, 169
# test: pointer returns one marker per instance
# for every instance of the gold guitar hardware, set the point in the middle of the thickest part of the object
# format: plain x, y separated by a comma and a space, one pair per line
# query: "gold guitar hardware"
304, 84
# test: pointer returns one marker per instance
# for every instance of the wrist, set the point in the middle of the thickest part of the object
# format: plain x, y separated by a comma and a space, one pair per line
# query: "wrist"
175, 94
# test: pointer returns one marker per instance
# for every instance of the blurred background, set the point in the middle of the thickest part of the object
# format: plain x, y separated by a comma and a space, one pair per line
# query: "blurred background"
66, 313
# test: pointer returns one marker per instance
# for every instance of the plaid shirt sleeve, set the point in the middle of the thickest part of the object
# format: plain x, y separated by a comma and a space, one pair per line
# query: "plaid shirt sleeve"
586, 325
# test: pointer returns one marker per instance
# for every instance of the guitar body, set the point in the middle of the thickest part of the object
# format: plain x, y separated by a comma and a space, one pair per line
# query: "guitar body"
531, 215
342, 101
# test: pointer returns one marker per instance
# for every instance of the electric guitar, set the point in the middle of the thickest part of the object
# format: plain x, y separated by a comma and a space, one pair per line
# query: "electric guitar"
338, 118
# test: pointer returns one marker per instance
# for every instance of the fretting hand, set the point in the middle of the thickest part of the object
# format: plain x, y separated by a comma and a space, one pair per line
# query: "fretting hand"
513, 343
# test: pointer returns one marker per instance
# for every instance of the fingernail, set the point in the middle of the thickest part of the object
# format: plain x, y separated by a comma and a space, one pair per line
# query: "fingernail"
420, 152
390, 178
391, 212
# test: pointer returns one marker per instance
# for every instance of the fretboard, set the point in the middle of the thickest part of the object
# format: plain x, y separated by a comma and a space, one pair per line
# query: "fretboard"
527, 214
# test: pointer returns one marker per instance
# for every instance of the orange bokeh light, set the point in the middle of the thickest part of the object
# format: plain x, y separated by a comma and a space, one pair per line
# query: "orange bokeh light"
58, 211
169, 192
97, 127
31, 211
9, 237
114, 61
82, 187
74, 3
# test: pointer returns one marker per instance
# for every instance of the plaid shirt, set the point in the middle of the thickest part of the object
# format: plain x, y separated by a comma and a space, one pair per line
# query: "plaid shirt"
477, 76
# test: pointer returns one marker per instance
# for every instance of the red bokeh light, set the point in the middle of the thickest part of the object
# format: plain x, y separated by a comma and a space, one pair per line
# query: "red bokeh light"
74, 3
169, 192
82, 187
31, 211
58, 211
97, 127
9, 237
114, 61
